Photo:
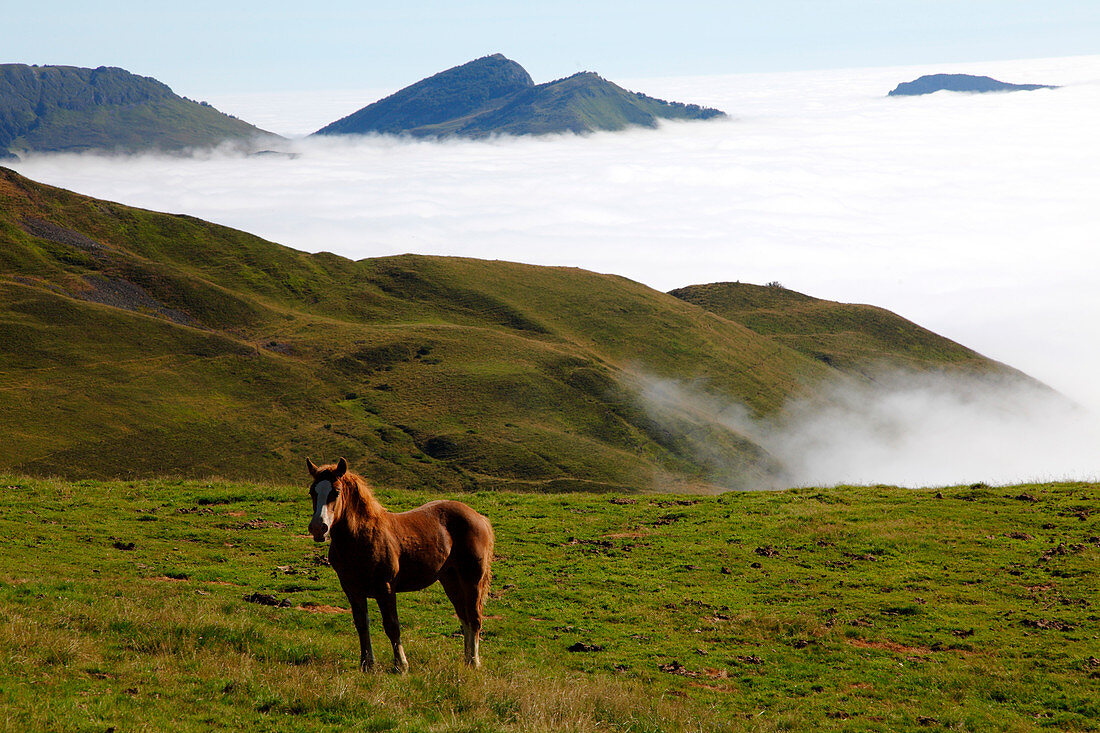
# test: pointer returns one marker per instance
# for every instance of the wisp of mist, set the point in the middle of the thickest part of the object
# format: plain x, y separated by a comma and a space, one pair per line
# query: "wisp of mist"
972, 214
903, 428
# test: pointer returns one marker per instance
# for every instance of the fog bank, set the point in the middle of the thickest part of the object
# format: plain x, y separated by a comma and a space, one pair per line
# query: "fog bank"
907, 429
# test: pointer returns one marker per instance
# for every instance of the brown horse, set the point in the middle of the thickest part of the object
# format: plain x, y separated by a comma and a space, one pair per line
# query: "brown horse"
377, 554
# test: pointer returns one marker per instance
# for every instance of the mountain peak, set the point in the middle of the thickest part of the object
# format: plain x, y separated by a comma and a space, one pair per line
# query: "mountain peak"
495, 95
456, 92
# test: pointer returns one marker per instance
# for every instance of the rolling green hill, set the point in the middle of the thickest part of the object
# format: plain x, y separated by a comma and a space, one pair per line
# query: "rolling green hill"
495, 95
134, 343
858, 339
72, 109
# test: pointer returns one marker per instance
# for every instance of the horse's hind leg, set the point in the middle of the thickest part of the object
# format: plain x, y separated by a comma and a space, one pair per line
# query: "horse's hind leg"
467, 591
477, 590
362, 625
456, 591
387, 604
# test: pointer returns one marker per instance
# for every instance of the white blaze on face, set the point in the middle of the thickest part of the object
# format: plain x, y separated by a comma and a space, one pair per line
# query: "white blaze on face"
322, 510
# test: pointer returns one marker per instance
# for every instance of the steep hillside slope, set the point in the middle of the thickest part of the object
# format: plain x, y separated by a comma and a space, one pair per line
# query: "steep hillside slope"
72, 109
495, 95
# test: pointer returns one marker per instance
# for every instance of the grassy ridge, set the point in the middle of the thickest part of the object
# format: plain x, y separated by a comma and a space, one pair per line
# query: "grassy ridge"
849, 337
228, 355
72, 109
581, 103
123, 604
426, 371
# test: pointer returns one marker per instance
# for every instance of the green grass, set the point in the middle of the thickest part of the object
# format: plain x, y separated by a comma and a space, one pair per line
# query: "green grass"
849, 337
854, 608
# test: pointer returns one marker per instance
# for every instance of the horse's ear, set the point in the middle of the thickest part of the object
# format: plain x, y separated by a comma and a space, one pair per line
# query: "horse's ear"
312, 468
341, 468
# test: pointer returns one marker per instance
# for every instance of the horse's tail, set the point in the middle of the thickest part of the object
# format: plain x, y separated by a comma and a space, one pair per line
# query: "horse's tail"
486, 568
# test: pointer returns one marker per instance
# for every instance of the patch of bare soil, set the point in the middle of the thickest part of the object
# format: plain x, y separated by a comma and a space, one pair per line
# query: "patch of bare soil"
260, 523
674, 667
321, 608
890, 646
266, 599
1061, 550
581, 646
626, 535
727, 689
1044, 624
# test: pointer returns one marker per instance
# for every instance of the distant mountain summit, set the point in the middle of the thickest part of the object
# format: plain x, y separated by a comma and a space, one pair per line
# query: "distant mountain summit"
73, 109
445, 97
495, 95
959, 83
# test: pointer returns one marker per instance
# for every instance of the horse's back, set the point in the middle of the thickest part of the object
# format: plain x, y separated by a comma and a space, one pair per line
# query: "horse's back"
466, 532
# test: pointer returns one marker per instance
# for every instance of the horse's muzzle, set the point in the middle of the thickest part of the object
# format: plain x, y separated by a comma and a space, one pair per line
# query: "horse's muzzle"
319, 532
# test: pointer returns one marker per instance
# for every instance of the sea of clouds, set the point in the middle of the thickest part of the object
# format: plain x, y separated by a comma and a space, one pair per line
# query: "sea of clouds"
974, 215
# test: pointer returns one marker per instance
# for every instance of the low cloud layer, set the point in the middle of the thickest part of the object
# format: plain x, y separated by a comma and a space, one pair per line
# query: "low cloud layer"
905, 429
973, 215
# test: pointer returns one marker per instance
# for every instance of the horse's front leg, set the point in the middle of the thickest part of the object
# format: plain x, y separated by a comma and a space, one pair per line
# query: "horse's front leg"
362, 625
387, 604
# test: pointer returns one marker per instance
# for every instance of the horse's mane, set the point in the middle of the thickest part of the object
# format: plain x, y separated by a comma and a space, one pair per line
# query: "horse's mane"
357, 503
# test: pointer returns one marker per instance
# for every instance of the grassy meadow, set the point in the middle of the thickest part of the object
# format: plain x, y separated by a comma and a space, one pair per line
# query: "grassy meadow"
138, 605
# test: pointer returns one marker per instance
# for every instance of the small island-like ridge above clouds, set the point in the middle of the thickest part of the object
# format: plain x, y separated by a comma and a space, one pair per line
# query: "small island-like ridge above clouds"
495, 95
74, 109
931, 83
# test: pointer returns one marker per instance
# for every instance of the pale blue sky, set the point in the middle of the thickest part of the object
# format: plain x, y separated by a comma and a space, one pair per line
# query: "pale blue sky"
210, 47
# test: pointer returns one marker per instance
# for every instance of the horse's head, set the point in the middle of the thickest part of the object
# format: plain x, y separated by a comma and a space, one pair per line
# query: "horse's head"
324, 491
